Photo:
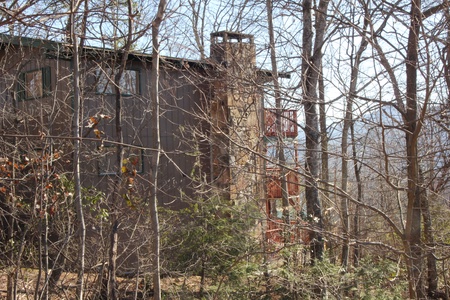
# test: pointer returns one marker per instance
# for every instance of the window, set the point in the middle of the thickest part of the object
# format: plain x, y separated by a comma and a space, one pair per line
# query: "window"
34, 84
132, 160
129, 83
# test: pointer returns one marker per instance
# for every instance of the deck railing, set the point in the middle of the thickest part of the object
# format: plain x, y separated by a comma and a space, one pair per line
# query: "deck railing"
289, 127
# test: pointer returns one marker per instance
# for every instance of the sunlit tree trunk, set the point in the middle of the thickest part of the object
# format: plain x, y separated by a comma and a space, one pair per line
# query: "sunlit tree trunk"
413, 228
76, 155
156, 143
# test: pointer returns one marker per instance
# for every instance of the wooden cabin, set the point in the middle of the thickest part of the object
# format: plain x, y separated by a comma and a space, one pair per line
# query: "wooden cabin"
212, 119
205, 105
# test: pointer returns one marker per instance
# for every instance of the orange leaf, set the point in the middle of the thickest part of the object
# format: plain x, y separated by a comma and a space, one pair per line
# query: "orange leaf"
98, 133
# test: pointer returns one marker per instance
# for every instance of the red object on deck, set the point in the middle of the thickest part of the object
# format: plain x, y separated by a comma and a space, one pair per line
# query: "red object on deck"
274, 183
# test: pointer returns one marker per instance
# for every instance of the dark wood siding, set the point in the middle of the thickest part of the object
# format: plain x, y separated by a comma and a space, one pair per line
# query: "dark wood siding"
179, 120
182, 122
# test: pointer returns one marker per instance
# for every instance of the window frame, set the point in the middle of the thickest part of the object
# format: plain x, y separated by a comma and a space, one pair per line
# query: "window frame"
45, 88
105, 84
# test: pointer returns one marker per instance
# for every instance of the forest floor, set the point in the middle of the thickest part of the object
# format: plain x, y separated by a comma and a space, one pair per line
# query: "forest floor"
128, 288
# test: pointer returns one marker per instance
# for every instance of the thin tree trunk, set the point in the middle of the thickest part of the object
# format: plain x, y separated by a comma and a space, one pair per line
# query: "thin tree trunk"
11, 220
114, 238
10, 295
19, 262
344, 201
157, 145
432, 274
115, 222
43, 235
198, 16
325, 174
112, 266
39, 275
348, 123
45, 245
11, 289
76, 157
279, 115
356, 220
323, 135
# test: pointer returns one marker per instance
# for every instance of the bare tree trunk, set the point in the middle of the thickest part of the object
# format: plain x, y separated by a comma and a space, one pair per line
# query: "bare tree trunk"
43, 230
348, 123
344, 181
19, 262
115, 222
279, 115
44, 238
157, 145
10, 295
412, 125
413, 220
356, 220
11, 289
112, 266
325, 174
198, 16
76, 156
432, 274
114, 237
323, 135
41, 265
311, 62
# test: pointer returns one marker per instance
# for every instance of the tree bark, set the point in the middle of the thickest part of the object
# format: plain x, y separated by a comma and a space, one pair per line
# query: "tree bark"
413, 220
117, 198
156, 142
76, 156
432, 274
325, 174
311, 62
356, 217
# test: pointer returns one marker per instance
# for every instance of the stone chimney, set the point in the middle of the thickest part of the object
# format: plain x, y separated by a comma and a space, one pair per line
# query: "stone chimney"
235, 109
232, 49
